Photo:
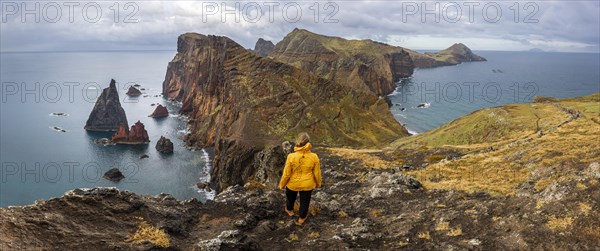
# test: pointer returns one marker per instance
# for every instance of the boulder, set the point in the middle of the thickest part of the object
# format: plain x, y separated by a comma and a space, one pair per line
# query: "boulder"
164, 145
160, 112
133, 92
114, 175
108, 114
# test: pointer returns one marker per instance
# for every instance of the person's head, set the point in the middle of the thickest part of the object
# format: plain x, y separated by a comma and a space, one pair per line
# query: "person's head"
302, 139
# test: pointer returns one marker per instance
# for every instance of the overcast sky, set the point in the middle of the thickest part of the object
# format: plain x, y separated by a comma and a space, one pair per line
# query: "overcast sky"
571, 26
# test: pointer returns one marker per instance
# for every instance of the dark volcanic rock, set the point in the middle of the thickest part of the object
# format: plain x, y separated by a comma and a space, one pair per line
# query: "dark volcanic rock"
107, 114
263, 47
137, 135
160, 112
114, 175
164, 145
133, 92
242, 103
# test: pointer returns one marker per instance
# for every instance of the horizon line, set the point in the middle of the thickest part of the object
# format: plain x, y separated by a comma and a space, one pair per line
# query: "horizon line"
175, 50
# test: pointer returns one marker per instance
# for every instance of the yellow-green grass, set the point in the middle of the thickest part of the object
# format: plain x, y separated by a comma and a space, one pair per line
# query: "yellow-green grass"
503, 146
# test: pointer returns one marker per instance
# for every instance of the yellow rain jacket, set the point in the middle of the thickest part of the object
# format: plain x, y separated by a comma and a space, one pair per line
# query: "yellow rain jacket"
302, 170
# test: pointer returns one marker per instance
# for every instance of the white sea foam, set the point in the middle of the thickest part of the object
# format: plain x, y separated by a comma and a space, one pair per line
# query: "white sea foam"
206, 178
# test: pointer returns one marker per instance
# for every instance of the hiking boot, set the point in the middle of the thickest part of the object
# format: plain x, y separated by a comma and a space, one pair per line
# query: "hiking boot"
300, 221
290, 213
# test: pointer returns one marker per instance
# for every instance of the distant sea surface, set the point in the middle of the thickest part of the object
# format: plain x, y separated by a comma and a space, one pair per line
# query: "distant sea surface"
39, 162
447, 93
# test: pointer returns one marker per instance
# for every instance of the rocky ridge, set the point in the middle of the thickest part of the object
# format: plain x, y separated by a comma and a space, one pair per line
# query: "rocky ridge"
263, 47
363, 65
243, 105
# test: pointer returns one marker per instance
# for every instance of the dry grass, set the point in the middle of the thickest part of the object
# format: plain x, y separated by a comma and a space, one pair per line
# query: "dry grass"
365, 156
442, 226
147, 233
516, 150
293, 237
539, 204
424, 235
556, 223
585, 208
342, 214
314, 235
375, 213
455, 232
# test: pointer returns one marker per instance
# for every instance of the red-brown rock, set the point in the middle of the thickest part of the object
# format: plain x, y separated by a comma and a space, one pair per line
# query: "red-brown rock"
160, 112
136, 135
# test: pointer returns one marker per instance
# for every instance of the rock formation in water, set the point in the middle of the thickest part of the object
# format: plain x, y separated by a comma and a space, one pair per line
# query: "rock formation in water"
133, 92
107, 114
160, 112
114, 175
363, 65
137, 135
164, 145
244, 104
453, 55
263, 47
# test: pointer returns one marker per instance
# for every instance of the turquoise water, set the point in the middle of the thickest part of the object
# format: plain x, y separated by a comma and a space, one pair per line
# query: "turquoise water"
39, 162
450, 92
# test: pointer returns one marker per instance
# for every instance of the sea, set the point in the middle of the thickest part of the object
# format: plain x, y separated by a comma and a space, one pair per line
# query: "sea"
48, 96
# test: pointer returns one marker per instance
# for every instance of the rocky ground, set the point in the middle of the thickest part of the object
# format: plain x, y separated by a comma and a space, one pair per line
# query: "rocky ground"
358, 208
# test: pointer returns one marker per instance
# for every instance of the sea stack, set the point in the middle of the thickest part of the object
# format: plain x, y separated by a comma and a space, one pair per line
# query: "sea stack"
160, 112
133, 92
164, 145
108, 114
136, 136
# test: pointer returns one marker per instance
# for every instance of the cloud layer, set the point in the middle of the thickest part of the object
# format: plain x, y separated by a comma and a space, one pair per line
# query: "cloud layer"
144, 25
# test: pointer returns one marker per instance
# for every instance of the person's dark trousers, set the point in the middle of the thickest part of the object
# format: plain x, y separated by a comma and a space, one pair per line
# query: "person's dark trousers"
304, 201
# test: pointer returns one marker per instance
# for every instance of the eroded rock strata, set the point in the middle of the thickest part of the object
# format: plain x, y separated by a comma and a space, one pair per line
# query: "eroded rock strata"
242, 103
108, 114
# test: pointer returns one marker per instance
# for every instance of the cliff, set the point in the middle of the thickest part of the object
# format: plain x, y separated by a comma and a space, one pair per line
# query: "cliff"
363, 65
244, 104
107, 113
453, 55
263, 47
515, 177
137, 135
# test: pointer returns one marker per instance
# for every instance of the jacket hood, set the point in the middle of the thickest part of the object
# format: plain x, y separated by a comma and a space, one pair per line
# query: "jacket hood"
305, 148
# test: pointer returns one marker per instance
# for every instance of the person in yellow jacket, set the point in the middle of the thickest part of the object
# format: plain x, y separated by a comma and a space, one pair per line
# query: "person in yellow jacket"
301, 174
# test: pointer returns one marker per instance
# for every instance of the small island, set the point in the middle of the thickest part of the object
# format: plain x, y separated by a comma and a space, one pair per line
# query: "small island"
136, 136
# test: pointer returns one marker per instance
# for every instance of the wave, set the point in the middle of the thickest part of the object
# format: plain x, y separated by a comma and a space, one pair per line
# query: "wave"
206, 177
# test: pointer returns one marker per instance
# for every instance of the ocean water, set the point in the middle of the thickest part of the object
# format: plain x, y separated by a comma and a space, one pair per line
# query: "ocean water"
39, 162
447, 93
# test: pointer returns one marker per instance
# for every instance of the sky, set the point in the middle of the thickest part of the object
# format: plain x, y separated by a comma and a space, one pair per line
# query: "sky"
563, 26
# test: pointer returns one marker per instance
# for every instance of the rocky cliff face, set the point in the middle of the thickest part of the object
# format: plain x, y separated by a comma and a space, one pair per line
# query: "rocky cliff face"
263, 47
363, 65
453, 55
107, 114
242, 103
137, 135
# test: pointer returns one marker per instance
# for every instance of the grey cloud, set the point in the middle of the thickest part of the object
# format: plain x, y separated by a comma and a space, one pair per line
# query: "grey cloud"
159, 23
